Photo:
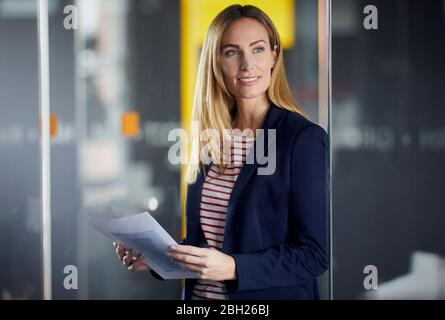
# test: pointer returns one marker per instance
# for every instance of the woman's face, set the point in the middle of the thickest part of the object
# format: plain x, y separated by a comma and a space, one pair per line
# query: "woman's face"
246, 58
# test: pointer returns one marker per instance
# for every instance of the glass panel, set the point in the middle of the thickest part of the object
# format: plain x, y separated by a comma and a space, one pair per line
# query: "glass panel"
115, 95
114, 89
110, 153
388, 150
20, 246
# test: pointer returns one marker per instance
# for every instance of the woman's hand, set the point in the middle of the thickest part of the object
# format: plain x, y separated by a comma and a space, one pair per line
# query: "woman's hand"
209, 264
133, 261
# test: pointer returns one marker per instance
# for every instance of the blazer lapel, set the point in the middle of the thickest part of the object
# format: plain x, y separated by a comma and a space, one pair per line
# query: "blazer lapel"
272, 121
193, 204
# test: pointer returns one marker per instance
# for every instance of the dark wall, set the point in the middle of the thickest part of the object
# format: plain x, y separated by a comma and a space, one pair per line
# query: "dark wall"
389, 146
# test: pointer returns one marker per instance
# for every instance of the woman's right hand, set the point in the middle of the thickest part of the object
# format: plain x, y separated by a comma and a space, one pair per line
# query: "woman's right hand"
132, 260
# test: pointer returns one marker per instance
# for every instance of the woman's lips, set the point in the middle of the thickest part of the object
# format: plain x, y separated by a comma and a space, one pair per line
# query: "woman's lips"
248, 81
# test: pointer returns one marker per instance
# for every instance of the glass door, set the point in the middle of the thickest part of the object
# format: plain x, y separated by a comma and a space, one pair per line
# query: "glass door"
120, 77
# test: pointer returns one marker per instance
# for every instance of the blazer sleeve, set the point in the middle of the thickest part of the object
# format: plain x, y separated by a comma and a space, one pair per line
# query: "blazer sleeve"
304, 255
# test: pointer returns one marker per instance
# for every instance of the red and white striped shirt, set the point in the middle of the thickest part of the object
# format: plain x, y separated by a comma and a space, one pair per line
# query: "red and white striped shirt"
216, 192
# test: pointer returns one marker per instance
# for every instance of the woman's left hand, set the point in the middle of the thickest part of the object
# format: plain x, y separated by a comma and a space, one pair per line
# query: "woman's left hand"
208, 263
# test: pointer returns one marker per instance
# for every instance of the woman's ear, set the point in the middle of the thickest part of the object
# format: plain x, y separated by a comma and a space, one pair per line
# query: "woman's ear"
274, 55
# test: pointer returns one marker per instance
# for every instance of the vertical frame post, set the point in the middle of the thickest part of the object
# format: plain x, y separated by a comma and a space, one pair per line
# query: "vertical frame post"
325, 103
45, 152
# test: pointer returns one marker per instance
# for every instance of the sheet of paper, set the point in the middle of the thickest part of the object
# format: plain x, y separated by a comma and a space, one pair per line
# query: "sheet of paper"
144, 234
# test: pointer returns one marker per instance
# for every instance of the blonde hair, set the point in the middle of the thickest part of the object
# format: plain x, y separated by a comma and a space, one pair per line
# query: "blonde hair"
213, 101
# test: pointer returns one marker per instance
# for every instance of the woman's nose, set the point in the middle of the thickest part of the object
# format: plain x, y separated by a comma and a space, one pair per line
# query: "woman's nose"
245, 63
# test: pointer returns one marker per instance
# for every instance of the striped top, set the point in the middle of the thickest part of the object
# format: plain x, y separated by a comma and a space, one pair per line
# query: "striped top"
216, 192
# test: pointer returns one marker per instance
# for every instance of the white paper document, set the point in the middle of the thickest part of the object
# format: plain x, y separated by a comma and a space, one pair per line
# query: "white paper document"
141, 232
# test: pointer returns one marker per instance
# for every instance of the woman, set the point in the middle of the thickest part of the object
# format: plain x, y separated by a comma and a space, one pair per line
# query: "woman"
251, 235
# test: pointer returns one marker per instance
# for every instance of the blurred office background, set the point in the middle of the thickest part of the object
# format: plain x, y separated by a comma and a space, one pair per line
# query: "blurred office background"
117, 87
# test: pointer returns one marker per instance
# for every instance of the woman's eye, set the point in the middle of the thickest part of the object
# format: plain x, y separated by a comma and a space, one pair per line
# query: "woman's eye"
230, 53
258, 49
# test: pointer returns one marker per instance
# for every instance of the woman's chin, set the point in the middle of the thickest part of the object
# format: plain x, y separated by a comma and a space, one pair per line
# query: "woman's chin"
250, 95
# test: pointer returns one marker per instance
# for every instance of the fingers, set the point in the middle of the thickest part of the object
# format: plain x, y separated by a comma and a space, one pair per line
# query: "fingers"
139, 265
120, 250
191, 267
129, 258
190, 250
187, 258
125, 255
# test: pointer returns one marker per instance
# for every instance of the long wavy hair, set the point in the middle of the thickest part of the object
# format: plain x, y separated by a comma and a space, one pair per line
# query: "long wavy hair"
213, 101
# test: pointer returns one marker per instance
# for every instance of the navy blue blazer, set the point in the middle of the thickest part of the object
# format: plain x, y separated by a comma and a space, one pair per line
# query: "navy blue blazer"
277, 224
